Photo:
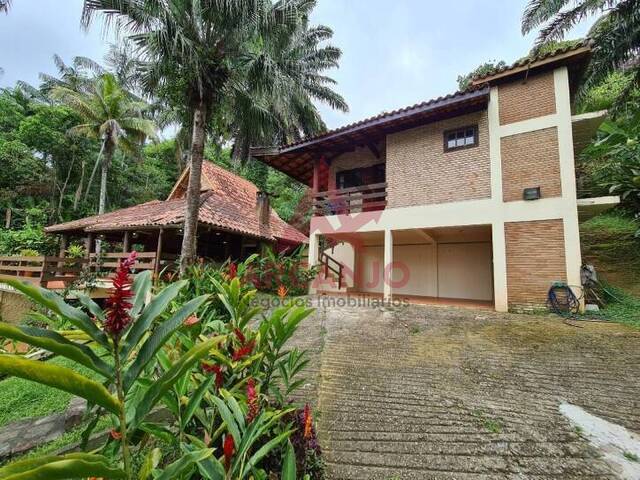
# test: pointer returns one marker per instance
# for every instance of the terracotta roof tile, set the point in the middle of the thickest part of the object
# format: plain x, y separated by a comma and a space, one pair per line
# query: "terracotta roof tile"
228, 202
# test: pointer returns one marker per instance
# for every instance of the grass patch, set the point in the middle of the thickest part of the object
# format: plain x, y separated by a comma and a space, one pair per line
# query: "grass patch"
611, 224
492, 425
21, 399
621, 307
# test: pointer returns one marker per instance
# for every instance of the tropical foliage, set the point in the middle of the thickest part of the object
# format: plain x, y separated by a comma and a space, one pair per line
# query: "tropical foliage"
614, 34
246, 70
226, 379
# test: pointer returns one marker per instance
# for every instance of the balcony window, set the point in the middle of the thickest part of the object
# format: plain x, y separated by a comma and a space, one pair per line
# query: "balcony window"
459, 138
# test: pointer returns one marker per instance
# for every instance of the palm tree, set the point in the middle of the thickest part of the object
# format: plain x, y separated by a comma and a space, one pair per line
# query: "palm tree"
5, 5
615, 34
299, 60
208, 55
110, 115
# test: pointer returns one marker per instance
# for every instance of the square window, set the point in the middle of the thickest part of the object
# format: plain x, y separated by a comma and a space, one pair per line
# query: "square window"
461, 138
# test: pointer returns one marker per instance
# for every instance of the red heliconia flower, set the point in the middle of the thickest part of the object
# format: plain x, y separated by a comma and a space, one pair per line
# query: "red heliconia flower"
118, 304
308, 422
217, 370
228, 448
233, 271
241, 338
243, 351
252, 401
116, 435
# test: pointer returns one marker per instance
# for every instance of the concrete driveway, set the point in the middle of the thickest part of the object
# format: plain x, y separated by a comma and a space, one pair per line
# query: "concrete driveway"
417, 392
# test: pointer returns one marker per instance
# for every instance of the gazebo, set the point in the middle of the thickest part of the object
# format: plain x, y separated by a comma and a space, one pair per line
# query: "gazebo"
234, 220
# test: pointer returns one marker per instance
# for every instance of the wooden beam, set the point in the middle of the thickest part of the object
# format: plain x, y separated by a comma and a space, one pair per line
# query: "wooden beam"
316, 175
125, 241
88, 244
7, 219
156, 266
374, 150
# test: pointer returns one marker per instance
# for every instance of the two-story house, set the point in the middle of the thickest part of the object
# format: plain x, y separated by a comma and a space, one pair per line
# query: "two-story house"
471, 196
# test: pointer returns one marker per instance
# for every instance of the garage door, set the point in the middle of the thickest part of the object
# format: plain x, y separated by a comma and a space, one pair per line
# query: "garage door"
465, 271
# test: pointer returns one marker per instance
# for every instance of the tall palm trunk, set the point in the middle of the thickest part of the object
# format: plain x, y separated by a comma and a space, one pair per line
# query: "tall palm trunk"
78, 194
106, 163
104, 174
188, 253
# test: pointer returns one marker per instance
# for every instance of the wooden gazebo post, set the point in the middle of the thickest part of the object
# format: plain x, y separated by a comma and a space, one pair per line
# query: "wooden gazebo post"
156, 265
125, 242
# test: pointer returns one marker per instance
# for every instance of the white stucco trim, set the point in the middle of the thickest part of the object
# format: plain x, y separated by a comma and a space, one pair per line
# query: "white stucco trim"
388, 263
530, 125
313, 255
573, 256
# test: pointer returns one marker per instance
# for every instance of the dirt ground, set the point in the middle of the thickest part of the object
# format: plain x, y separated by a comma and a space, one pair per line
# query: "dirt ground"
417, 392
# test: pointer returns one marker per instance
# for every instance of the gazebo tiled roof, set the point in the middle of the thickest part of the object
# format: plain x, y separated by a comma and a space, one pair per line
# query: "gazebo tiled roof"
227, 202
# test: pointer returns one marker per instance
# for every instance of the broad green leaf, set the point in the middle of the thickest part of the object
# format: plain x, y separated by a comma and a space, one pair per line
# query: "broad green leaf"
151, 461
164, 383
228, 419
92, 306
141, 288
59, 377
54, 302
196, 400
267, 447
235, 408
155, 308
158, 338
211, 469
289, 464
56, 343
64, 467
159, 432
187, 461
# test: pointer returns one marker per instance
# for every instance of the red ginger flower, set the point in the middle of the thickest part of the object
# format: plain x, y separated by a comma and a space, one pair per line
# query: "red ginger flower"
308, 422
118, 304
252, 400
243, 351
233, 271
228, 448
241, 338
217, 370
116, 435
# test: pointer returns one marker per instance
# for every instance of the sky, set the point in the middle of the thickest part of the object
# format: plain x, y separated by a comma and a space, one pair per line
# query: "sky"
395, 53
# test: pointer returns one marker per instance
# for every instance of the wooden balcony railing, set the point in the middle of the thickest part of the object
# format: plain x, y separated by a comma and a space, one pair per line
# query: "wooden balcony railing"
365, 198
60, 272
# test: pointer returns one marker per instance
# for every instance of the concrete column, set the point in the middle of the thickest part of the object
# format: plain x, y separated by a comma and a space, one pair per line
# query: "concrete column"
314, 238
388, 263
573, 255
498, 242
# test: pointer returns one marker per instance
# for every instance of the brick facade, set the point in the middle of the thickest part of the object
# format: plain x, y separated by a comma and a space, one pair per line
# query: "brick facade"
531, 159
520, 100
535, 259
420, 172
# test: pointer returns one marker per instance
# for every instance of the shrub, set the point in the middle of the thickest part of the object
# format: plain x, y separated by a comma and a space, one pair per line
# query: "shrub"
281, 273
227, 381
31, 238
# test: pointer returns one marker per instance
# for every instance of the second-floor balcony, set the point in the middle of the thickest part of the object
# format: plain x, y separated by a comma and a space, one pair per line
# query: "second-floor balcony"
363, 198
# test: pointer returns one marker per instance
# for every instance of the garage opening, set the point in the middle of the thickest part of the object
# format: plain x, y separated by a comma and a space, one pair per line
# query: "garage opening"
449, 265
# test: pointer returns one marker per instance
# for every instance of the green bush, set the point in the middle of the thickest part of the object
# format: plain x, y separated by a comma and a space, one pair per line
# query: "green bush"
32, 238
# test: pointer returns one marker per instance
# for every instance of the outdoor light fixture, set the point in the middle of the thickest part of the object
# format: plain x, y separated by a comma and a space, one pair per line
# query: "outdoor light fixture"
532, 193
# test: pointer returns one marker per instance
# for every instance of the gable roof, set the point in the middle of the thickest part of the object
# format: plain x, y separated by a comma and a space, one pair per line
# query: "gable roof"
296, 159
564, 55
227, 202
